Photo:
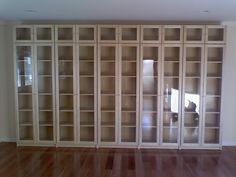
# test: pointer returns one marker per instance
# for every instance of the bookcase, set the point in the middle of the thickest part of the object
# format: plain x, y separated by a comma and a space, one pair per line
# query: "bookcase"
110, 85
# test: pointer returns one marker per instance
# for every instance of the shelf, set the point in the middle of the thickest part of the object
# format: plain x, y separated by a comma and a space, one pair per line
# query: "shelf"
150, 85
107, 102
213, 86
46, 133
107, 134
149, 119
65, 53
149, 135
211, 136
107, 33
129, 33
26, 124
129, 69
25, 102
215, 53
150, 53
108, 85
66, 85
26, 133
212, 104
215, 34
107, 53
172, 34
191, 135
66, 102
171, 69
170, 135
128, 85
87, 102
150, 103
23, 33
172, 53
87, 134
192, 86
150, 34
66, 134
44, 33
64, 33
194, 34
86, 33
128, 134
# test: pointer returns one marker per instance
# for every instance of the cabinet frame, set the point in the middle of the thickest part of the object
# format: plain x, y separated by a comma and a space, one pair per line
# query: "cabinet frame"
95, 92
135, 144
200, 124
62, 142
157, 143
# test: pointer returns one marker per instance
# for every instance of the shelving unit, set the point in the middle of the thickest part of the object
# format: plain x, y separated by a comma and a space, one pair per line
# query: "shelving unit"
214, 55
127, 85
150, 91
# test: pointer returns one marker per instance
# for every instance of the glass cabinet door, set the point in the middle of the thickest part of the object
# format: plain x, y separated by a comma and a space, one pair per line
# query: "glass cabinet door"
192, 94
171, 94
87, 93
25, 87
129, 97
107, 60
213, 79
150, 86
45, 92
65, 92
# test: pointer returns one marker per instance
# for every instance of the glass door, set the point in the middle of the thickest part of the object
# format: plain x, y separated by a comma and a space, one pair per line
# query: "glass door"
65, 92
129, 96
150, 86
192, 95
45, 96
171, 90
25, 92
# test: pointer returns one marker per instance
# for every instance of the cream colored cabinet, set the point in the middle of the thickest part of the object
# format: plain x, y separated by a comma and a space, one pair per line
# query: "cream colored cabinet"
35, 82
145, 86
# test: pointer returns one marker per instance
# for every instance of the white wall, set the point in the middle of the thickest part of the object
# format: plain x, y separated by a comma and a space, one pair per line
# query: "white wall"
7, 116
229, 88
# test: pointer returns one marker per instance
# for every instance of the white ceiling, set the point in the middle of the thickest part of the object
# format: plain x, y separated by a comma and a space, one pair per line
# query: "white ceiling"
138, 10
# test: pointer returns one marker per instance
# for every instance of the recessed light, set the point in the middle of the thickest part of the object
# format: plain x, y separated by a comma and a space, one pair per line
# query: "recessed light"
30, 10
205, 11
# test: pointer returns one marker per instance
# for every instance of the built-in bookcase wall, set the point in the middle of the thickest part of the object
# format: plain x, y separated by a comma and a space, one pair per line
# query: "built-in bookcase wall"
144, 86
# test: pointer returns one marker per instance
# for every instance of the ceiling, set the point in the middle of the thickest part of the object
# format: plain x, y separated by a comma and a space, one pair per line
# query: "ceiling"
120, 10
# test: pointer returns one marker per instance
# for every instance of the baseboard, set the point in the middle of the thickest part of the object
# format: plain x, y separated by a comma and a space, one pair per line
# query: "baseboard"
229, 143
7, 140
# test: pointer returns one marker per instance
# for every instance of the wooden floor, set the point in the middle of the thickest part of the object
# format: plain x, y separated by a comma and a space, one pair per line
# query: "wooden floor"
86, 162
